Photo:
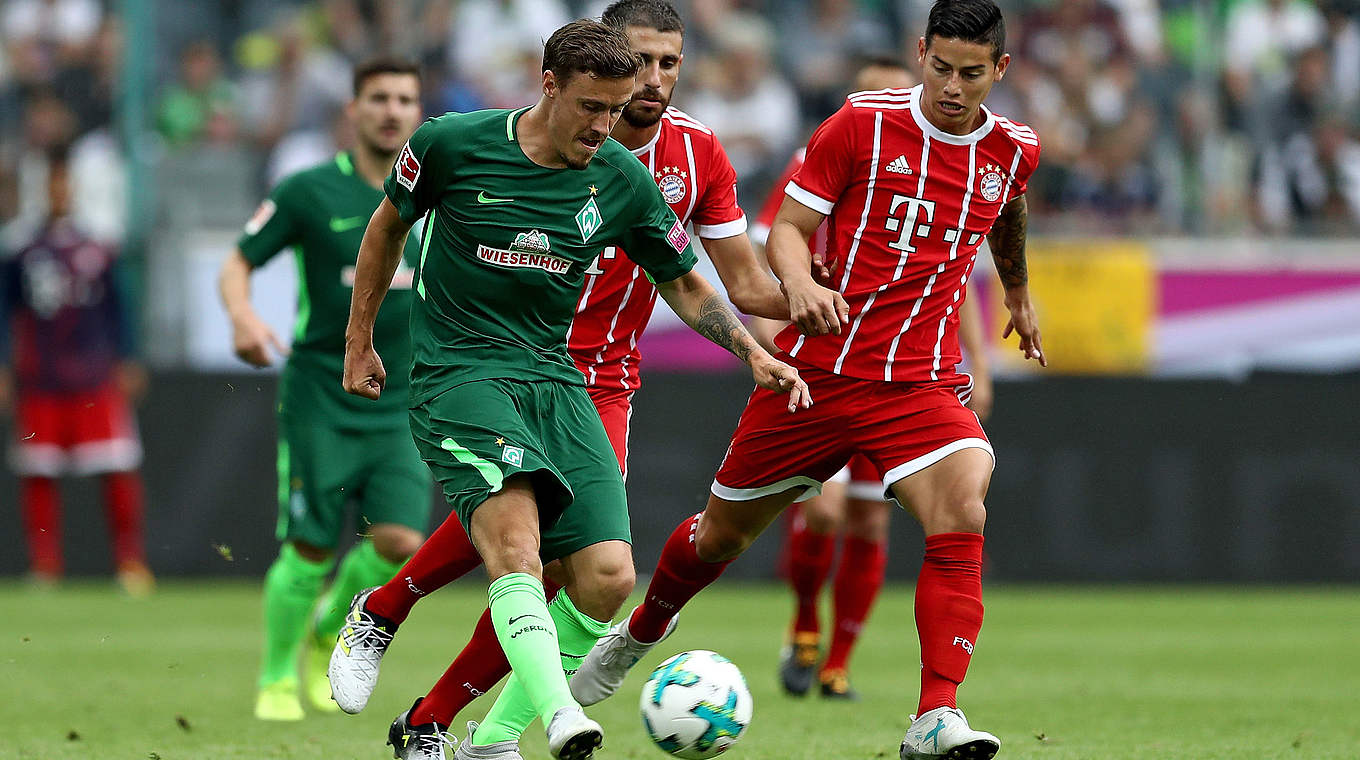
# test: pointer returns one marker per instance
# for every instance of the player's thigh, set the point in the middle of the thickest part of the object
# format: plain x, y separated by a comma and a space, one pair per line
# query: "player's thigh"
102, 431
581, 449
825, 512
774, 450
616, 413
947, 496
396, 486
315, 466
729, 527
476, 436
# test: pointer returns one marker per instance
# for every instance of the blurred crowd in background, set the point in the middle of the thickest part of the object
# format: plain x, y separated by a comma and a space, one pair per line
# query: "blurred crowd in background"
1158, 117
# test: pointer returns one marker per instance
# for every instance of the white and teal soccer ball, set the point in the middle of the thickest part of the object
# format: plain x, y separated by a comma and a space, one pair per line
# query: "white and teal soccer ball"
696, 705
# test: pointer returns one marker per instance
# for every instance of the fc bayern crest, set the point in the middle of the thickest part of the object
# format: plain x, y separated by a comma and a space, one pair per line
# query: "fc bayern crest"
990, 184
672, 188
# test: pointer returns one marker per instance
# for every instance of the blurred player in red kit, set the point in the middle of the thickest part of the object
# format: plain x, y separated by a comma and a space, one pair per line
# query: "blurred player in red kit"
66, 365
911, 182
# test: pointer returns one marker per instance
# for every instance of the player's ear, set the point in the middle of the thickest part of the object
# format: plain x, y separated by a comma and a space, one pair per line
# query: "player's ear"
1001, 66
549, 84
921, 51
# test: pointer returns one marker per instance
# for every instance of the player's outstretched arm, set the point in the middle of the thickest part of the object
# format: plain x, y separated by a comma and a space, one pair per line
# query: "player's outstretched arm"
251, 338
748, 282
379, 255
1007, 241
816, 310
696, 302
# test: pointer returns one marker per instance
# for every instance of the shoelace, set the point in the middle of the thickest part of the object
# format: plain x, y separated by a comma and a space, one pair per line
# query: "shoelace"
431, 745
364, 635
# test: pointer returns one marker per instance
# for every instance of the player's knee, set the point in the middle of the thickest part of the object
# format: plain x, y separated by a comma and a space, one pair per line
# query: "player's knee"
311, 553
603, 592
962, 516
719, 543
869, 523
396, 545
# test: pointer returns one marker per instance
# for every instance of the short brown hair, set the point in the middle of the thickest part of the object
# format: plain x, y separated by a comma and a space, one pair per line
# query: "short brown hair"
590, 47
383, 65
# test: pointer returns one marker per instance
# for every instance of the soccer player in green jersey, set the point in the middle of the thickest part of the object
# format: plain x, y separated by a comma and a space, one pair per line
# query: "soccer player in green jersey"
517, 205
333, 447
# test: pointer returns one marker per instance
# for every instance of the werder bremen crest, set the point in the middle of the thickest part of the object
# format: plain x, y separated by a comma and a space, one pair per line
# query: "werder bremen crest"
588, 219
532, 241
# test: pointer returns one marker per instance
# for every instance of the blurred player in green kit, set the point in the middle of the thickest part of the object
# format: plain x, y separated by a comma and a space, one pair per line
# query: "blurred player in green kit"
333, 447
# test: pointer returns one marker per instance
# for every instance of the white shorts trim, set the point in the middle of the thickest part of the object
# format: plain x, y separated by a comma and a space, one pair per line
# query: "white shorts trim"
759, 233
908, 469
842, 476
40, 460
865, 490
811, 489
117, 455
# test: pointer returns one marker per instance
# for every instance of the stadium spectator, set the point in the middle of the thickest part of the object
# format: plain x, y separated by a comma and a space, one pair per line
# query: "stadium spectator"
67, 366
749, 105
202, 104
293, 84
1260, 38
44, 36
821, 42
496, 45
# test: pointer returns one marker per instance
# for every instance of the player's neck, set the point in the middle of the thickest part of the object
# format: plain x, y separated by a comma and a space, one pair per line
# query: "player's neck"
634, 137
371, 165
531, 131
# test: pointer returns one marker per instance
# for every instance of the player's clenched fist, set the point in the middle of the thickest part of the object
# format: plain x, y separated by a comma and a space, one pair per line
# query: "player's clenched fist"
772, 374
364, 373
815, 309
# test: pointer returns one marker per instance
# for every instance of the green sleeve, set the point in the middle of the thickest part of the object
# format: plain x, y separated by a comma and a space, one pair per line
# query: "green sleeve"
423, 169
657, 240
274, 225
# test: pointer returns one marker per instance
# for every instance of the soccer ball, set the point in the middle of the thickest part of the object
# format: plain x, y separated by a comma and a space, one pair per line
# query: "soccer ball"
696, 705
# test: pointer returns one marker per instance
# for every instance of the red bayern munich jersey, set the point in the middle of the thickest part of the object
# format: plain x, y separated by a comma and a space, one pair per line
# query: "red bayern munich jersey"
698, 181
908, 205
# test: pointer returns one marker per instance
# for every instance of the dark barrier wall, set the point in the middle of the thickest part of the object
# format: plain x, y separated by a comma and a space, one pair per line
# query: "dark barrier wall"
1097, 479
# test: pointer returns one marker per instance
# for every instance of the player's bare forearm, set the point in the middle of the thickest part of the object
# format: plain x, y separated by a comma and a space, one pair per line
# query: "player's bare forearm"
746, 278
695, 301
233, 285
379, 255
1007, 241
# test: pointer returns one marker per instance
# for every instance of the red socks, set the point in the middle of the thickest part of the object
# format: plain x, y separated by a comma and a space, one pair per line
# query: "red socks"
858, 580
480, 666
446, 556
42, 525
948, 614
123, 499
679, 576
810, 556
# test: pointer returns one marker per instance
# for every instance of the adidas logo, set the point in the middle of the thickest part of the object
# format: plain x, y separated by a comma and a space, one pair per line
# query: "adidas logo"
899, 166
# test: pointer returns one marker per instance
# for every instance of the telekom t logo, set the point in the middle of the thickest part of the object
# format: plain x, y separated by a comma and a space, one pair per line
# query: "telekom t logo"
907, 224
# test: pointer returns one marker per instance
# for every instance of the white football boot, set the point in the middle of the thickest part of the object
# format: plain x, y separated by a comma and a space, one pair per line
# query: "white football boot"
364, 638
506, 750
607, 664
573, 736
944, 733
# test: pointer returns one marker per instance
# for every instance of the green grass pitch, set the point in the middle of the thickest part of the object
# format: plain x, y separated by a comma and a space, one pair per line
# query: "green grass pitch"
1059, 674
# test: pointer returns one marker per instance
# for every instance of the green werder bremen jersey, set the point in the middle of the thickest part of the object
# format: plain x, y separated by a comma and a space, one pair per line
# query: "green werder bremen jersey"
322, 213
507, 244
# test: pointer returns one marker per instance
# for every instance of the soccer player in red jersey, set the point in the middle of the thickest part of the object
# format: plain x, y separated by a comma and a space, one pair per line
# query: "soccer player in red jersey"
851, 504
912, 181
698, 182
73, 377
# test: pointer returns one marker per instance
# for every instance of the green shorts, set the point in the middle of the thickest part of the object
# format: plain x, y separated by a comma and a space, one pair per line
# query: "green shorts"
322, 467
477, 434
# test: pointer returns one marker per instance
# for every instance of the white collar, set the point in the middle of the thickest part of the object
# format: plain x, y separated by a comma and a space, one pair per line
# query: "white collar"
935, 133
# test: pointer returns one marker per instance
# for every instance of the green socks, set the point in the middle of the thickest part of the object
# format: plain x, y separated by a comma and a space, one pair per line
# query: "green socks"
361, 568
513, 710
290, 589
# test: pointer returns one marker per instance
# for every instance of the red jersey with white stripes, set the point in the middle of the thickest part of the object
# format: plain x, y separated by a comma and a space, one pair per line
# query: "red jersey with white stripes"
698, 181
908, 205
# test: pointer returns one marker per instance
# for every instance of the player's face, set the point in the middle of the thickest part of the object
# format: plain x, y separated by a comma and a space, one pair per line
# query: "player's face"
386, 111
956, 76
582, 112
661, 59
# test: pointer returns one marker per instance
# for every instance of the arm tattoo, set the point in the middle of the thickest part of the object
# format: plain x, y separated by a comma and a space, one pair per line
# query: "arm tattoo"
717, 323
1007, 241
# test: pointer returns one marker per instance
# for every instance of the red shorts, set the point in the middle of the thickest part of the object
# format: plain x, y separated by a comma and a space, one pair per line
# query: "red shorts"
900, 428
616, 412
861, 479
74, 433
